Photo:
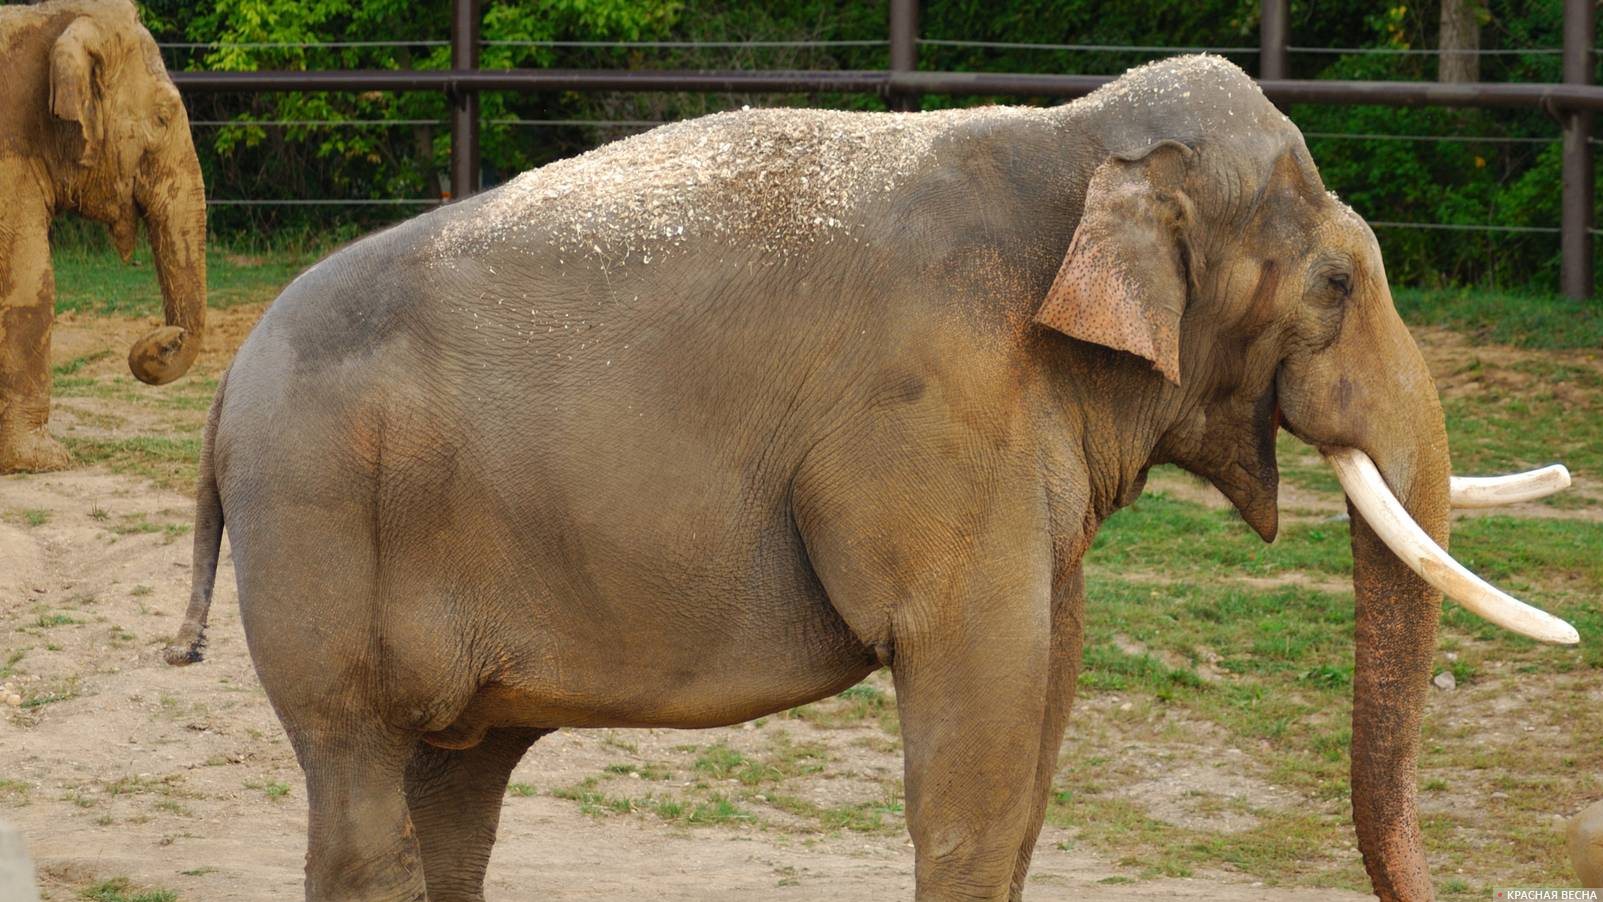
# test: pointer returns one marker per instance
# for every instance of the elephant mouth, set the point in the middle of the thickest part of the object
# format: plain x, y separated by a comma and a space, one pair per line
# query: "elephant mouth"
1374, 499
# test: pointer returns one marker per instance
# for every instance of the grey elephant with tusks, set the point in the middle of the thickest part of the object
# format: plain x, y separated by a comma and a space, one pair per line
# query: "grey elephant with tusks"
719, 419
90, 122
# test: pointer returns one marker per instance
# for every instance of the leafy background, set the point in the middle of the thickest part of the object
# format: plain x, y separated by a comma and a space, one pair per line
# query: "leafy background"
1467, 182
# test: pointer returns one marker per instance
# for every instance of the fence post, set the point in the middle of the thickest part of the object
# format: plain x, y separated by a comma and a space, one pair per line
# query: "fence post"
904, 50
1273, 35
464, 102
1575, 221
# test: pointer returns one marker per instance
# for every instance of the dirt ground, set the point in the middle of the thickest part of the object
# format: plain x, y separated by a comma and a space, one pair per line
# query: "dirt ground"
118, 766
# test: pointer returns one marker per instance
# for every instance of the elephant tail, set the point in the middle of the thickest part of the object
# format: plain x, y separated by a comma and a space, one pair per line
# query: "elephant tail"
189, 645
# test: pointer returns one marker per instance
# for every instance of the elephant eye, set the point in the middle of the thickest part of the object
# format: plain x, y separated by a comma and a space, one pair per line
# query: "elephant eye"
1342, 283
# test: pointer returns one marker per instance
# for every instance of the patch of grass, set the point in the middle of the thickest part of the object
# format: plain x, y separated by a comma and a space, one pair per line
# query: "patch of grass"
92, 280
35, 518
522, 790
140, 524
78, 363
273, 789
13, 658
864, 701
643, 771
15, 792
47, 621
1506, 317
1180, 537
712, 810
121, 889
169, 462
882, 816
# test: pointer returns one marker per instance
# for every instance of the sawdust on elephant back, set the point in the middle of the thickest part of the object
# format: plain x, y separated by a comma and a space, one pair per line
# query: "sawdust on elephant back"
774, 180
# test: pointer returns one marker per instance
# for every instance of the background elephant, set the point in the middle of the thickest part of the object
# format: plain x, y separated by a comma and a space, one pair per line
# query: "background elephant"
719, 419
1585, 835
92, 123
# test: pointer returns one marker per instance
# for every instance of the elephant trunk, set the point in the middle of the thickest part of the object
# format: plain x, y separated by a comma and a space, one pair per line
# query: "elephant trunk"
1395, 637
1393, 464
175, 218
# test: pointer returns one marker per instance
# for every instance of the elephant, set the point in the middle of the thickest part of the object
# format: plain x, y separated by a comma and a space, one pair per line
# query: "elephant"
1585, 836
719, 419
93, 124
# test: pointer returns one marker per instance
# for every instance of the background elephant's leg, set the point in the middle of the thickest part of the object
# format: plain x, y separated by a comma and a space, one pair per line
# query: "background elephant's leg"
361, 844
27, 309
1068, 639
971, 692
455, 798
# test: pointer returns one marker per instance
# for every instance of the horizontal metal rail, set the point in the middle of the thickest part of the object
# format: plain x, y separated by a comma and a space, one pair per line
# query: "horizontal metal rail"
1515, 95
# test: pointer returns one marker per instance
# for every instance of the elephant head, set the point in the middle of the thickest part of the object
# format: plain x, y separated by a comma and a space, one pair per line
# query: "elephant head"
122, 152
1209, 247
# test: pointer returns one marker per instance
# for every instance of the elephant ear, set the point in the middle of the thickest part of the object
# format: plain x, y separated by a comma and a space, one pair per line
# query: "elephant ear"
1123, 281
77, 68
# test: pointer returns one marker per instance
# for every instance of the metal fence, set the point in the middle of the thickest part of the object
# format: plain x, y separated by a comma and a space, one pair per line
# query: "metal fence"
1570, 102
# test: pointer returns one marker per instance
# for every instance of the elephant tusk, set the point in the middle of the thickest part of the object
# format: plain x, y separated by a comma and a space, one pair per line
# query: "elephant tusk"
1392, 523
1495, 491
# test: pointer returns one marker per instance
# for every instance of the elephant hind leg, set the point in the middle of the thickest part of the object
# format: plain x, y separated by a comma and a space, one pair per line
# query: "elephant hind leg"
361, 846
455, 798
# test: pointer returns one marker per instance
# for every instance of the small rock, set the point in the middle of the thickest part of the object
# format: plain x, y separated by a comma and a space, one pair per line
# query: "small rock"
1451, 656
1445, 681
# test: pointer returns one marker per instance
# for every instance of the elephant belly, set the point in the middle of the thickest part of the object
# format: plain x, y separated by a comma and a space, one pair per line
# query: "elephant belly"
703, 664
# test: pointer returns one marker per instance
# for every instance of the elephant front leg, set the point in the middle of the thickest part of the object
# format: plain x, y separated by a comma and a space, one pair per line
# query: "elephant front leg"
971, 698
1068, 641
455, 798
27, 310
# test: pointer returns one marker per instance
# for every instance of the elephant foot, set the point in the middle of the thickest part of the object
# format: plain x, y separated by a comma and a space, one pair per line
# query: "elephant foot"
34, 451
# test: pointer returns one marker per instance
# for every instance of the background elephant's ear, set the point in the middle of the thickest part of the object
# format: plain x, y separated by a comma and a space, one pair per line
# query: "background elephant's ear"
1123, 280
76, 67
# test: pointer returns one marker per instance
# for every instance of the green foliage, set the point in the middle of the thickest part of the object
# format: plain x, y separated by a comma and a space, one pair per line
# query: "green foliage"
403, 151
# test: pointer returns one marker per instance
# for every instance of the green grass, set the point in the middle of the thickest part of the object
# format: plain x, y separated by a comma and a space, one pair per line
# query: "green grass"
93, 280
273, 789
1526, 320
167, 462
121, 889
1171, 626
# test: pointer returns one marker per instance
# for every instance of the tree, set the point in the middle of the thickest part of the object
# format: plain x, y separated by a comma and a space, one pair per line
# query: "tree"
1459, 40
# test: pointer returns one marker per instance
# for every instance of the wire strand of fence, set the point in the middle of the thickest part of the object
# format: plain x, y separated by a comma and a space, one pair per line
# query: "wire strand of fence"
1462, 227
321, 201
1473, 139
265, 123
611, 123
293, 45
1133, 48
315, 122
1411, 51
684, 45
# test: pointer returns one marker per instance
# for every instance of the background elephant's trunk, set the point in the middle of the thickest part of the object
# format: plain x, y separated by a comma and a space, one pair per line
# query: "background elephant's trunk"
1397, 615
175, 217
